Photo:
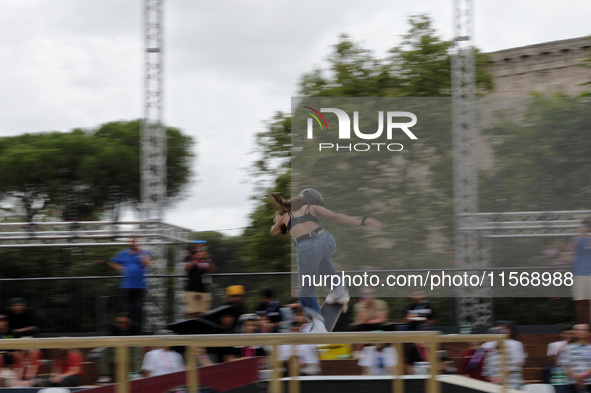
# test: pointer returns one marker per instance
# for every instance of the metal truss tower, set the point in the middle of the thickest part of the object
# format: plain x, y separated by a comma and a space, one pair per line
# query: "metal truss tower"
474, 304
153, 141
153, 152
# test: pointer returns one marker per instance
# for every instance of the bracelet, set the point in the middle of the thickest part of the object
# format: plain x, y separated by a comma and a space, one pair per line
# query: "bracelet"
363, 221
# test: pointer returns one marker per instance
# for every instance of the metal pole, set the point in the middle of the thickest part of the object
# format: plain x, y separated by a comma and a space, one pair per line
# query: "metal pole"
398, 382
434, 386
294, 372
465, 171
153, 153
192, 370
122, 356
275, 383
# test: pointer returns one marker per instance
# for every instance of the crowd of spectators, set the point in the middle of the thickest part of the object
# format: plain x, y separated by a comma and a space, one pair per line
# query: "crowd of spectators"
20, 368
480, 360
569, 359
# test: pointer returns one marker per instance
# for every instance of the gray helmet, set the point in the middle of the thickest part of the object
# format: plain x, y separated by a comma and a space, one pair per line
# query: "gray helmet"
312, 195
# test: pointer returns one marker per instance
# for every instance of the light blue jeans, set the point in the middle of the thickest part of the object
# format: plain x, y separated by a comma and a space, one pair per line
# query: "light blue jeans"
314, 259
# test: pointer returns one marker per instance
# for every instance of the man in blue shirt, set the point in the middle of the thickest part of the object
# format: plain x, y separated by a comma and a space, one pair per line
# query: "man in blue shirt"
132, 263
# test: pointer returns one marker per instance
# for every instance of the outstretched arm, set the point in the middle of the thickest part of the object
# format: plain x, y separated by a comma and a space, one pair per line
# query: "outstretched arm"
345, 219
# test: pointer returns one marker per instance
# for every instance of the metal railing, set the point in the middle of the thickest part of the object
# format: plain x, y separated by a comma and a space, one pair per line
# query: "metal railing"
89, 303
191, 342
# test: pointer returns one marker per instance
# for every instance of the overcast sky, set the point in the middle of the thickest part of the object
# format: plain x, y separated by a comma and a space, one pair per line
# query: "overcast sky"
229, 65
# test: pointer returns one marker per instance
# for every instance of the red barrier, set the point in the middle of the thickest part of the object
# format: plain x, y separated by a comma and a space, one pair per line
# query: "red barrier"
221, 377
231, 375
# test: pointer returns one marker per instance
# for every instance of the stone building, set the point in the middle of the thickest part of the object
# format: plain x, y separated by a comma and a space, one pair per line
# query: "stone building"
547, 68
550, 67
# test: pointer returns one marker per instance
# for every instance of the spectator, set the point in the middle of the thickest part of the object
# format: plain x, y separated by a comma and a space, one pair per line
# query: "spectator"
270, 307
292, 311
5, 356
235, 295
471, 361
266, 326
21, 321
576, 359
268, 302
581, 246
227, 320
203, 358
378, 359
68, 368
414, 353
308, 361
446, 363
26, 366
418, 313
123, 326
4, 329
162, 361
370, 313
565, 336
197, 264
249, 324
516, 358
132, 264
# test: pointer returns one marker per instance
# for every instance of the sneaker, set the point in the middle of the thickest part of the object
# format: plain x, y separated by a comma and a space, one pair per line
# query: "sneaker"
318, 328
104, 379
318, 324
339, 295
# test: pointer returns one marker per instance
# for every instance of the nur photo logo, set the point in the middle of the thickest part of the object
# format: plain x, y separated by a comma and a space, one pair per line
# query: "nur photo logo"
392, 122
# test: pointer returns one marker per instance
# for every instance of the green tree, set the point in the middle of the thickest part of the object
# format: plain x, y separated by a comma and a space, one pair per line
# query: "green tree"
541, 156
82, 173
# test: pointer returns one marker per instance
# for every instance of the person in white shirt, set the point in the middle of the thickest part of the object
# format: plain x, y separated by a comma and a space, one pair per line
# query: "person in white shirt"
566, 336
307, 354
162, 361
378, 360
516, 358
576, 359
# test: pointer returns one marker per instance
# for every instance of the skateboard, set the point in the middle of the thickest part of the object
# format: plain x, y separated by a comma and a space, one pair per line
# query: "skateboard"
331, 314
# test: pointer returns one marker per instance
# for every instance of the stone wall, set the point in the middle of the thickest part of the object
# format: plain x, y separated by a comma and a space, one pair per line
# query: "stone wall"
548, 68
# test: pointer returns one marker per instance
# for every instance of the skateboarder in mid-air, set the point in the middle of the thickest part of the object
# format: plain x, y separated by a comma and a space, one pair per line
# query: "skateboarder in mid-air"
314, 245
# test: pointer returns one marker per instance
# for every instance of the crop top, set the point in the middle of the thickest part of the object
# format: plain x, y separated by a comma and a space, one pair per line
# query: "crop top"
298, 220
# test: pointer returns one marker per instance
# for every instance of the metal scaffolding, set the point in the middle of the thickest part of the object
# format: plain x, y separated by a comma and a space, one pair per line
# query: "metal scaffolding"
88, 234
522, 224
153, 136
474, 304
78, 234
153, 154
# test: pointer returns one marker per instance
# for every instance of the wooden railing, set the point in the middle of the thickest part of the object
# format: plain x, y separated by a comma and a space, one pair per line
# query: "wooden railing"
432, 341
